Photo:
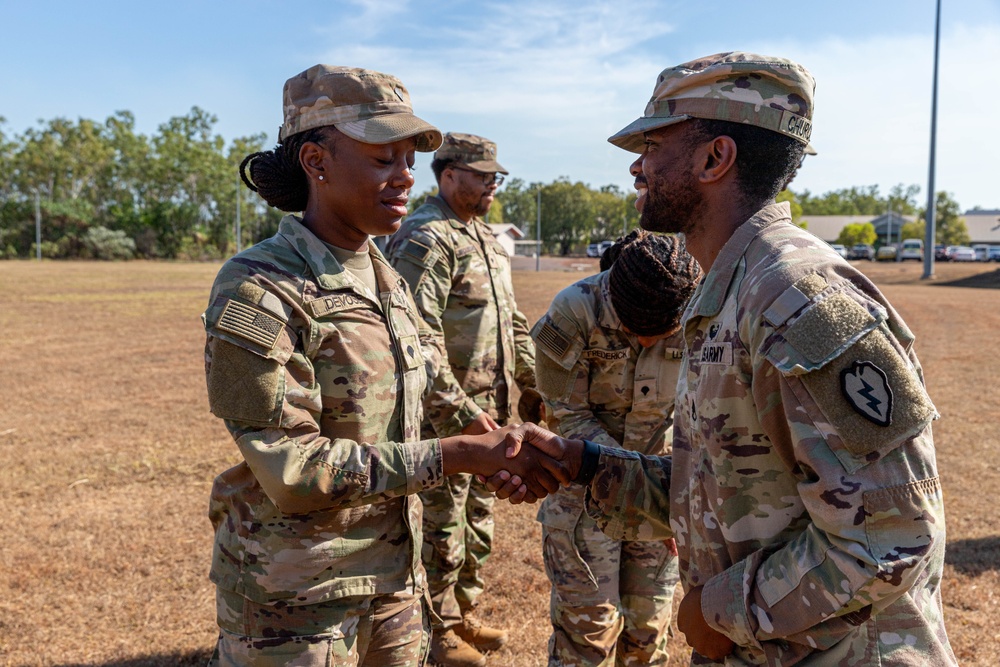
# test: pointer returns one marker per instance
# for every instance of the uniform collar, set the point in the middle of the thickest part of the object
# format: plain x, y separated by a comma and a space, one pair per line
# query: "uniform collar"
330, 274
451, 216
713, 290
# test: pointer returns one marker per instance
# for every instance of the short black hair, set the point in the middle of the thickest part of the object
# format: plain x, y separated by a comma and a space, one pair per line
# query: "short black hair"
438, 165
765, 159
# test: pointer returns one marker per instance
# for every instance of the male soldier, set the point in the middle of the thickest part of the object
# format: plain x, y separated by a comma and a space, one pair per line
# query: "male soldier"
802, 489
614, 384
460, 278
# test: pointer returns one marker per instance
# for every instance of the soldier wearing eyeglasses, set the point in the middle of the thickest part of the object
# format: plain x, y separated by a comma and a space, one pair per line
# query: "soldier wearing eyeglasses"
460, 278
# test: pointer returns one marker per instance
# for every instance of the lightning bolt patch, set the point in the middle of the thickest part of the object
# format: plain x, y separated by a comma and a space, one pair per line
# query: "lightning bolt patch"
867, 390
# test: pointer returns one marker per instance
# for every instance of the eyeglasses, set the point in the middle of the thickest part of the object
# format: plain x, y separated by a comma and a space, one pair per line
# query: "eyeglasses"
487, 179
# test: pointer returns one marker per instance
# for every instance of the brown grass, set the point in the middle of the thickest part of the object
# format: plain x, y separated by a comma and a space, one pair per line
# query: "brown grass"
107, 454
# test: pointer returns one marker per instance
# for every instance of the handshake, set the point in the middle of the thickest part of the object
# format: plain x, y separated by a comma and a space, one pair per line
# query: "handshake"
520, 463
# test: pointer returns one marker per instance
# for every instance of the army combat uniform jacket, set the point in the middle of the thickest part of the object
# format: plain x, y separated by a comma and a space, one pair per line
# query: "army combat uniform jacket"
599, 384
804, 494
460, 277
320, 383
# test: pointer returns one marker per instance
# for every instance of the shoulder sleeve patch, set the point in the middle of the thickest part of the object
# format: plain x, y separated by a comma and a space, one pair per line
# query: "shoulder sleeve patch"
244, 386
871, 396
822, 332
794, 299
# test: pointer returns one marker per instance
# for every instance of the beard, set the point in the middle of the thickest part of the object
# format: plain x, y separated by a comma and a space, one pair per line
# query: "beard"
670, 207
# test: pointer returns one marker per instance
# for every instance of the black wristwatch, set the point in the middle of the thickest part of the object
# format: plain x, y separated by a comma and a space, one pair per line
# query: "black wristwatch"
588, 463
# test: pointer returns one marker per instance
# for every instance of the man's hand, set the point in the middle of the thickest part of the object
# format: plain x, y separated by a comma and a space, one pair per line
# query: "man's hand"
483, 423
528, 439
699, 635
486, 455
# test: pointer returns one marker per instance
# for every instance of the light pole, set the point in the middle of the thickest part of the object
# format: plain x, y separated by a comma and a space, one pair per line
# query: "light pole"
38, 227
929, 231
538, 231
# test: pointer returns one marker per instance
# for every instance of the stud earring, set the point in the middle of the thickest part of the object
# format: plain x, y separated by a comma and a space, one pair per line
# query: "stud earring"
321, 177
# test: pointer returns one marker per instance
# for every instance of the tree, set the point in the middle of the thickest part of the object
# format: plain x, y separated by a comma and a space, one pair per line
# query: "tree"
567, 215
949, 225
858, 233
519, 202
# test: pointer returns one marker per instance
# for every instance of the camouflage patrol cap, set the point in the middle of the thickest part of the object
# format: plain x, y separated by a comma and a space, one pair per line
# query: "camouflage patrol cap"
773, 93
476, 153
368, 106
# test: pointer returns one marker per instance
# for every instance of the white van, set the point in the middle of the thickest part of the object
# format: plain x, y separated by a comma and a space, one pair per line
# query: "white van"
982, 252
911, 249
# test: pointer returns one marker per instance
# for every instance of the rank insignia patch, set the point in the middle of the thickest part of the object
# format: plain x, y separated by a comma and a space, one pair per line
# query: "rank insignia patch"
867, 390
250, 323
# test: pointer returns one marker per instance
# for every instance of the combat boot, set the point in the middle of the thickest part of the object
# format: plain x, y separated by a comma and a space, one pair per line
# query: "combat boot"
481, 636
449, 650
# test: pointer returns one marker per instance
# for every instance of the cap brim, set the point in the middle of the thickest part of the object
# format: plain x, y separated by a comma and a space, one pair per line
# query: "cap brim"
631, 137
388, 128
487, 167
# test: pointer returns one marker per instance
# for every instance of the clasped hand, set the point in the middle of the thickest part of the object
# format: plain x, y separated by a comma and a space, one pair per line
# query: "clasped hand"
536, 462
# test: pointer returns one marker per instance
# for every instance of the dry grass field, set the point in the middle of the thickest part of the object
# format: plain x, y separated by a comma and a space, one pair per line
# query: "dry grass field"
107, 454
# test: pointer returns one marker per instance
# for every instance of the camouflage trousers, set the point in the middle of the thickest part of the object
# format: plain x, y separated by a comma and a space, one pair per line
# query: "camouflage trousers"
611, 601
458, 538
362, 630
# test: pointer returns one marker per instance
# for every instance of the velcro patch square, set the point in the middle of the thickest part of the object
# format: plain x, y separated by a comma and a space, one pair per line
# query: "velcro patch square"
250, 323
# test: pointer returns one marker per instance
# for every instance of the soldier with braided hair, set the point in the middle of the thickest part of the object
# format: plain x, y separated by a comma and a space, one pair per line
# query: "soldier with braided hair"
608, 356
314, 360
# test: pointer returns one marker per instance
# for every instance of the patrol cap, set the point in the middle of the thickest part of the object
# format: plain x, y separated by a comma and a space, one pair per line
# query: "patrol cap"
476, 153
367, 106
773, 93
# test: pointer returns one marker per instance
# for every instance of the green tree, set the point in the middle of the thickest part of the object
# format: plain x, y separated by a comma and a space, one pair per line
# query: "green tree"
567, 215
519, 202
857, 233
949, 225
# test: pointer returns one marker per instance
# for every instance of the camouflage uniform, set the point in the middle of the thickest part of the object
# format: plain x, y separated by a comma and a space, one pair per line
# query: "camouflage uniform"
611, 599
461, 282
320, 382
803, 493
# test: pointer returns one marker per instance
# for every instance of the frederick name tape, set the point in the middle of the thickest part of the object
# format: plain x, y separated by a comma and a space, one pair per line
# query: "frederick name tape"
607, 355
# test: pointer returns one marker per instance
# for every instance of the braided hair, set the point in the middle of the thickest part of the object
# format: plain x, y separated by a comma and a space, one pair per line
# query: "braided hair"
277, 175
651, 279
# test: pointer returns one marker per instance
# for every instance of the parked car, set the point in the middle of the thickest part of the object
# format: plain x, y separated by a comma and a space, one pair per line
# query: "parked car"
597, 249
911, 249
886, 253
940, 253
995, 253
962, 253
982, 252
839, 249
862, 251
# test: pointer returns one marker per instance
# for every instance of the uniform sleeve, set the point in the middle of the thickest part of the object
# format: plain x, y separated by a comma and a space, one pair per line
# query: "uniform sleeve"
629, 497
524, 352
563, 377
262, 384
427, 270
838, 391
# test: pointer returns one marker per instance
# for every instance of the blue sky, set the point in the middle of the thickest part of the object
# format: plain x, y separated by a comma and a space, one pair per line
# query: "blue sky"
548, 80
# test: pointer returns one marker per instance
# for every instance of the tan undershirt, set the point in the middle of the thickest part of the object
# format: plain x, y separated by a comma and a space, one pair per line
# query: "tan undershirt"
358, 263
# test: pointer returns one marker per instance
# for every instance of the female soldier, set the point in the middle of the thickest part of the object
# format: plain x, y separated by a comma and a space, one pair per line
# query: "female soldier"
609, 351
313, 359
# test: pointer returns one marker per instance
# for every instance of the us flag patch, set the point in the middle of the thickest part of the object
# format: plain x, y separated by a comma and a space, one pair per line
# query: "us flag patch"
250, 323
553, 339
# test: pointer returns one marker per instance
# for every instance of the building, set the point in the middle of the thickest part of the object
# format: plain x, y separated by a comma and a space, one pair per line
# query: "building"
506, 234
828, 227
